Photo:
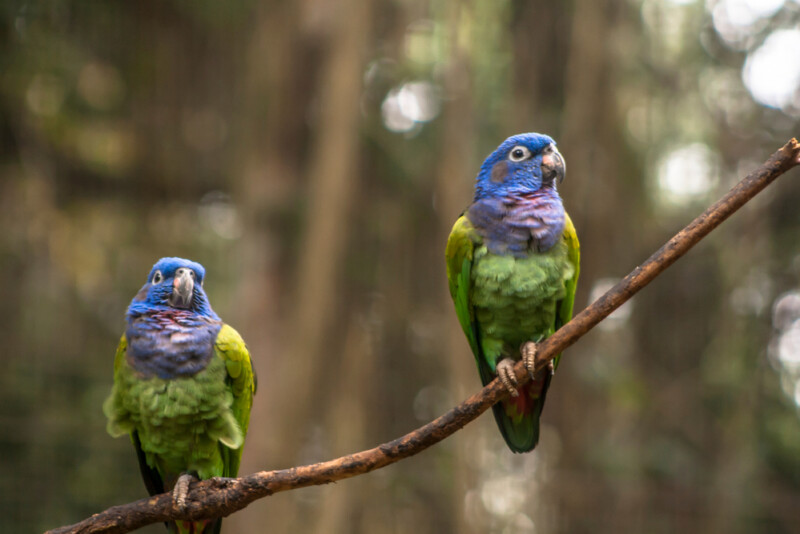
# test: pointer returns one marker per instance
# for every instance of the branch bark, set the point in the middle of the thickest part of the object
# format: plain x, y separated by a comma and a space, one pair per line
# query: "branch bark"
221, 497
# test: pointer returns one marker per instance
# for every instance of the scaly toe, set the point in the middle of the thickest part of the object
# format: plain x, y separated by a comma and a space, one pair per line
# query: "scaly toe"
505, 371
181, 491
529, 350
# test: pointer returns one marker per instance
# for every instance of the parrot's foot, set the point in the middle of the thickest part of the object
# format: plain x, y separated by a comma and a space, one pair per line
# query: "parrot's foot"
529, 351
181, 491
505, 371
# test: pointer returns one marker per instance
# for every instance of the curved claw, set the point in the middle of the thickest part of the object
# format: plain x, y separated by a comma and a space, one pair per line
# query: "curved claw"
181, 491
529, 350
505, 371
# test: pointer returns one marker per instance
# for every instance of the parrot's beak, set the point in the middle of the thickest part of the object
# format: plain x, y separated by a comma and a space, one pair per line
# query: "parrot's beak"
553, 165
182, 288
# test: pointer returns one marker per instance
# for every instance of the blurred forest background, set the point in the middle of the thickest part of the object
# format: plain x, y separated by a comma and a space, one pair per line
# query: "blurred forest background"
313, 155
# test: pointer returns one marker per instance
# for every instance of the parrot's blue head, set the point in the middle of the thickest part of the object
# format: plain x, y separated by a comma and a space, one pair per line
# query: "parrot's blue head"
523, 163
173, 283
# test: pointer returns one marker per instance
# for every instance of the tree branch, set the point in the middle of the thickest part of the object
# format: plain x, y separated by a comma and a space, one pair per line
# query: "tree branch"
221, 497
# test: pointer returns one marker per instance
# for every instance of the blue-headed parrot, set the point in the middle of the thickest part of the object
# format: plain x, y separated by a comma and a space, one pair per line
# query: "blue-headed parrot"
512, 265
183, 386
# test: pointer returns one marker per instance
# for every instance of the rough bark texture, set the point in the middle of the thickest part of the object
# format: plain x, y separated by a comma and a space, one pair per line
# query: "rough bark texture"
221, 497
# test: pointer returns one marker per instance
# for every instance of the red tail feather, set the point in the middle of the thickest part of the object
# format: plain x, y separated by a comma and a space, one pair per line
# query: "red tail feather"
525, 401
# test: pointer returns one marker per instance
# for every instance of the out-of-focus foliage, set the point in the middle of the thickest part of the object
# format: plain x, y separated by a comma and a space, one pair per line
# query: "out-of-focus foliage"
313, 155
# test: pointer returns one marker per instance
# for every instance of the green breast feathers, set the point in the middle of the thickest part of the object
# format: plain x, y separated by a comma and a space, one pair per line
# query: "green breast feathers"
181, 422
514, 299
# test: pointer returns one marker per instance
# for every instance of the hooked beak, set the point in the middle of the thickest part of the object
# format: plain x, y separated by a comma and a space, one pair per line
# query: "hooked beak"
553, 165
182, 288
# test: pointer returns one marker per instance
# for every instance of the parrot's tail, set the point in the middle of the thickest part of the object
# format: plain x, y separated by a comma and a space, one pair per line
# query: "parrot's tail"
518, 417
212, 526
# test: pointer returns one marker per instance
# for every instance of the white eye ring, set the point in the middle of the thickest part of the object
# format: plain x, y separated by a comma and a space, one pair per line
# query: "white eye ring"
157, 277
519, 153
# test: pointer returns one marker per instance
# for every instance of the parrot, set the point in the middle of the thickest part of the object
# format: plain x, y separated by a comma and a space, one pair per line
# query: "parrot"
183, 387
513, 260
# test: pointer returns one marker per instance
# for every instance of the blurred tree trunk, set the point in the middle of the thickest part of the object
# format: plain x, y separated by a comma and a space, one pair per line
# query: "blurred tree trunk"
268, 138
602, 207
342, 504
455, 174
332, 175
730, 361
540, 40
332, 180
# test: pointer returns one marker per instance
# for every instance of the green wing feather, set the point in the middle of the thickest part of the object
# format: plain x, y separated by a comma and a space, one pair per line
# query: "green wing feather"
566, 304
459, 255
242, 382
119, 357
460, 247
152, 478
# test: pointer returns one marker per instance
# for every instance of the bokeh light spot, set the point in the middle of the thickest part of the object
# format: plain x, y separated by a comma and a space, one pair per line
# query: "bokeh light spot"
786, 310
45, 95
687, 173
221, 215
738, 21
744, 13
784, 348
100, 85
789, 348
410, 105
503, 496
772, 72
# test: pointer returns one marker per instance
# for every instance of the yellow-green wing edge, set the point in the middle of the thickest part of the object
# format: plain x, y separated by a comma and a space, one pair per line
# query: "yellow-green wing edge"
242, 382
565, 306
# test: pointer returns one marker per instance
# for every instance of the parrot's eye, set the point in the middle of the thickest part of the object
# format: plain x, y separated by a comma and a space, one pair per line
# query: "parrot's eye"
519, 153
157, 277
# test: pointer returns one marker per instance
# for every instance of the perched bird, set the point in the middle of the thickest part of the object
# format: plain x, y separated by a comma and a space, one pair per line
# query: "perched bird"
512, 266
183, 386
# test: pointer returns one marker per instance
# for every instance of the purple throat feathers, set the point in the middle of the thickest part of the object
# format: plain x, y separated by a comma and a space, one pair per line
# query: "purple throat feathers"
519, 223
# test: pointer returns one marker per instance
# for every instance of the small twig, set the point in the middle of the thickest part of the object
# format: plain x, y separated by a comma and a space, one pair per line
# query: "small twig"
221, 497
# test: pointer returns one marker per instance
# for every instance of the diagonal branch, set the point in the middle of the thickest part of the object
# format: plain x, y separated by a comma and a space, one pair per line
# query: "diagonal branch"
221, 497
